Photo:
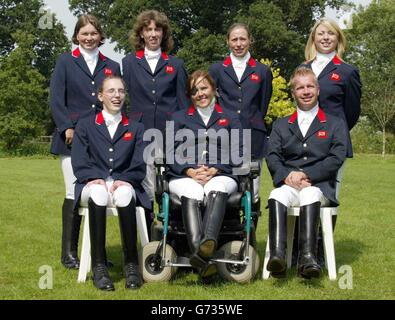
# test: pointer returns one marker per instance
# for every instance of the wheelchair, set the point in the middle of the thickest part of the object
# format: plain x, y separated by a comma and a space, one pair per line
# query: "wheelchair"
236, 257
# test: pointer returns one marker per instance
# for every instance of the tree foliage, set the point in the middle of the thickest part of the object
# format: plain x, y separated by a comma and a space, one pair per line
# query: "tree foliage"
23, 94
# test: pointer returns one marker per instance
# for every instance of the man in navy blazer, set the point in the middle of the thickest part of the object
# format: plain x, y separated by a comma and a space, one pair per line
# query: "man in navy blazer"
305, 152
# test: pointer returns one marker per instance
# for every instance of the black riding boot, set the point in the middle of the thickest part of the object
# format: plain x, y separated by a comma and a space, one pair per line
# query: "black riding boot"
212, 223
97, 229
192, 220
309, 218
320, 243
71, 222
128, 227
277, 238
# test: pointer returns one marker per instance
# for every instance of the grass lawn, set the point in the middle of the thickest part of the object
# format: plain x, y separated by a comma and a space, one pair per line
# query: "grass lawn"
31, 194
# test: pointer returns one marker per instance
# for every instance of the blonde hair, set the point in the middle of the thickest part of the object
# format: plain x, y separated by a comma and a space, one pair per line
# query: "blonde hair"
310, 51
302, 72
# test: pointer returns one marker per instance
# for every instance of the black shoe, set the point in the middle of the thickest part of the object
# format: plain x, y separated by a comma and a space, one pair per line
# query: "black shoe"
71, 262
209, 270
133, 276
276, 265
101, 278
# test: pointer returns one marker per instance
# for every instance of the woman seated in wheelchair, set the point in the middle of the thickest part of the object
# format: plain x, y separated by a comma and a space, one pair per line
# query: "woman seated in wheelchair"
198, 174
107, 159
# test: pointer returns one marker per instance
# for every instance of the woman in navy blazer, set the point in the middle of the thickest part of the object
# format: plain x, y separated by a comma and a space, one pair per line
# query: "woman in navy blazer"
73, 96
245, 86
198, 169
340, 84
107, 158
155, 80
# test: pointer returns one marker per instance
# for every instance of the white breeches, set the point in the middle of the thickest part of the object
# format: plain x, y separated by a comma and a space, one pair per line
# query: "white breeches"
290, 197
121, 197
68, 176
149, 181
189, 188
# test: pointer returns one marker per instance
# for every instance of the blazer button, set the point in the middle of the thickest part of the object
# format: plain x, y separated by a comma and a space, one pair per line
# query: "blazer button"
93, 106
111, 160
305, 145
153, 91
239, 100
93, 82
111, 149
153, 80
238, 111
304, 158
110, 170
93, 94
239, 88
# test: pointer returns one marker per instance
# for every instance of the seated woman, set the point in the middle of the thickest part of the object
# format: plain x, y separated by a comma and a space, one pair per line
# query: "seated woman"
107, 159
198, 170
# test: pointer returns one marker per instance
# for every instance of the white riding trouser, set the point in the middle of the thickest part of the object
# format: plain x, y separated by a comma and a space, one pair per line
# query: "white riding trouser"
290, 197
68, 176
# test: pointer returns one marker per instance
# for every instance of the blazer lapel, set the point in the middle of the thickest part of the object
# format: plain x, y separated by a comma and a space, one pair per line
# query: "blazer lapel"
163, 61
101, 63
101, 126
314, 127
122, 128
229, 70
142, 61
250, 69
80, 61
194, 115
294, 127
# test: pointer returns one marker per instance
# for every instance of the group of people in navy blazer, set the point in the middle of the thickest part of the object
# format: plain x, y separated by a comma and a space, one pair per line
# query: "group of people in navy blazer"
101, 148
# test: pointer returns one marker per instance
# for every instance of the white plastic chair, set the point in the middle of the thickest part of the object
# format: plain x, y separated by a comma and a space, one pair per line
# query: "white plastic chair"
85, 262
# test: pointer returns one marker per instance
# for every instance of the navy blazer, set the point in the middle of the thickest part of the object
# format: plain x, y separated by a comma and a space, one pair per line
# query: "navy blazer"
340, 93
201, 148
154, 97
73, 93
94, 155
319, 154
249, 97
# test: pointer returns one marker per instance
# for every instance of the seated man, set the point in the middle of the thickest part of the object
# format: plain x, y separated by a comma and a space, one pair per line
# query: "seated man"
199, 171
306, 150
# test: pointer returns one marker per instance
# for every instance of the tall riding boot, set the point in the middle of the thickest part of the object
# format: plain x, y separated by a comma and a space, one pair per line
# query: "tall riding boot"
309, 218
212, 223
128, 227
320, 243
71, 222
97, 229
277, 237
192, 220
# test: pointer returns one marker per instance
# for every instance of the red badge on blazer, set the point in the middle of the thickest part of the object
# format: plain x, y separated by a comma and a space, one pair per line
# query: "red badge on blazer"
169, 69
335, 76
254, 77
128, 136
322, 134
107, 72
223, 122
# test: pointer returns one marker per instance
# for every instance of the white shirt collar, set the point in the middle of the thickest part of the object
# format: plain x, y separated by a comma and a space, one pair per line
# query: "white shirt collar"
307, 115
325, 57
89, 55
152, 54
240, 61
205, 113
112, 118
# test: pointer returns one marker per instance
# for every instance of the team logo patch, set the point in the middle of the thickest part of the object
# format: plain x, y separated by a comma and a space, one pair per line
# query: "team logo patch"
128, 136
107, 72
223, 122
335, 76
322, 134
169, 69
254, 77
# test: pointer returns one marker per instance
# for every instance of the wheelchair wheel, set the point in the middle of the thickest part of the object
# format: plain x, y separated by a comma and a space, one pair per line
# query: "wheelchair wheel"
151, 269
236, 272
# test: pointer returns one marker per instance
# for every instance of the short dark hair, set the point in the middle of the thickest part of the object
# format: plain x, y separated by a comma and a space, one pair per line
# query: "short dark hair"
85, 20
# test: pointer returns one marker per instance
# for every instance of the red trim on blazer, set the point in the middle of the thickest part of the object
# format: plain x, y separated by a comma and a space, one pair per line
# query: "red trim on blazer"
102, 57
140, 54
320, 114
228, 61
76, 53
336, 60
99, 118
165, 56
192, 109
125, 120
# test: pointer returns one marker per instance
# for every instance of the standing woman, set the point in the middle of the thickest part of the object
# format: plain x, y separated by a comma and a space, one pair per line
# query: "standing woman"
155, 81
340, 85
74, 84
107, 159
245, 86
339, 82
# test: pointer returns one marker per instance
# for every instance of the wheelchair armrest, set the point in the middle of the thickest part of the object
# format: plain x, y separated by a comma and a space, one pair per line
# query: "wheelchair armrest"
161, 182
